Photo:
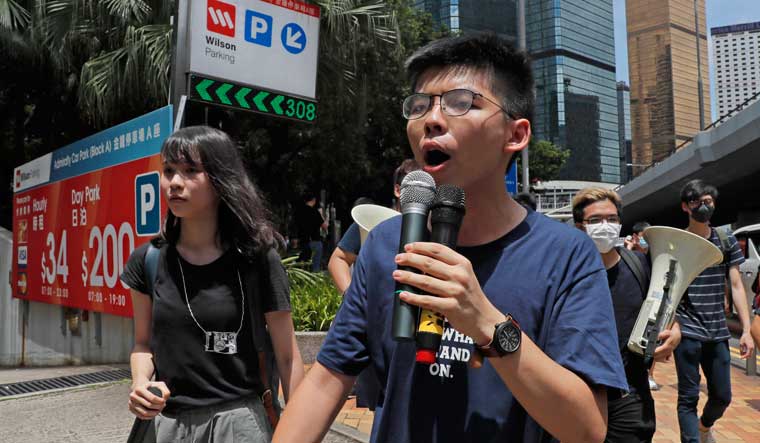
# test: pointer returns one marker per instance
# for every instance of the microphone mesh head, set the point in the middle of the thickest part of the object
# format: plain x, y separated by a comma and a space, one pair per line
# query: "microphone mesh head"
417, 187
449, 195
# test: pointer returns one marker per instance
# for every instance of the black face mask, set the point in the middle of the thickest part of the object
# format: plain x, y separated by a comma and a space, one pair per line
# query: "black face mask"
703, 213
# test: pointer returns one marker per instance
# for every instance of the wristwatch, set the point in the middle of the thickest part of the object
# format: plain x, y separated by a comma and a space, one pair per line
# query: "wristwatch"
506, 339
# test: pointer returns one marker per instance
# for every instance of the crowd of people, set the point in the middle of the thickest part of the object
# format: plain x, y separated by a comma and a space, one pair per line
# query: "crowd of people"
537, 313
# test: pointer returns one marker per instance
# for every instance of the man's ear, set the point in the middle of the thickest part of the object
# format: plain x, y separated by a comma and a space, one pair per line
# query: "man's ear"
519, 136
580, 226
684, 207
397, 190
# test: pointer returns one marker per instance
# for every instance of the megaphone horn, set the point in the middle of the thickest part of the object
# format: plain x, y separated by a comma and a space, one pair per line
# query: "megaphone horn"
369, 216
678, 257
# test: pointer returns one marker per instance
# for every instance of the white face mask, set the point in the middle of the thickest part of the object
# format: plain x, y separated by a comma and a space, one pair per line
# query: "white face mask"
604, 235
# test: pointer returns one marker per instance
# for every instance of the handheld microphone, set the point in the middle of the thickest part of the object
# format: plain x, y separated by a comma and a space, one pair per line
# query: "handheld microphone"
446, 218
417, 194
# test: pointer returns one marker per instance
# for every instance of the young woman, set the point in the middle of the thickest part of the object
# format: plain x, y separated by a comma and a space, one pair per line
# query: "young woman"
194, 329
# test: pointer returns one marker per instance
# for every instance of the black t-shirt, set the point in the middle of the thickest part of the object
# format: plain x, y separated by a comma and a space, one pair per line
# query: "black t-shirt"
196, 377
309, 221
627, 298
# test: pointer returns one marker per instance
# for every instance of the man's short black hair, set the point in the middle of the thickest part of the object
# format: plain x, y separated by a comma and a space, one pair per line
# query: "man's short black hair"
509, 68
639, 227
695, 189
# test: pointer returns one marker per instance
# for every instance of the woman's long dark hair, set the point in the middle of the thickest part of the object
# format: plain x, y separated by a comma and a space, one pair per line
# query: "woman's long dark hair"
244, 222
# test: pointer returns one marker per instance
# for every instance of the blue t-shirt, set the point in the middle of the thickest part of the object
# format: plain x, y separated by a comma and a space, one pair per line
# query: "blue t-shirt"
549, 276
700, 313
351, 240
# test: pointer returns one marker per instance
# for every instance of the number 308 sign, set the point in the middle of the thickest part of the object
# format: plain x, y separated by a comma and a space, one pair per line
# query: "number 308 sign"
80, 211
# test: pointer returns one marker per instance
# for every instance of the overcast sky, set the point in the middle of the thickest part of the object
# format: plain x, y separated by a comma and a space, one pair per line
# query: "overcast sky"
719, 13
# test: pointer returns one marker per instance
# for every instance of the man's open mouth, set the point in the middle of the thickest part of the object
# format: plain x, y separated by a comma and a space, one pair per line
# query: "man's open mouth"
434, 157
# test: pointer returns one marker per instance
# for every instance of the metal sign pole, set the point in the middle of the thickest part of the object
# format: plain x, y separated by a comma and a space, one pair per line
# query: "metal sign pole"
180, 60
521, 42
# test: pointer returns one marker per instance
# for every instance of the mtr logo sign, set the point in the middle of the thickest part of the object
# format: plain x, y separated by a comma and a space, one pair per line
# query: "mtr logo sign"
220, 18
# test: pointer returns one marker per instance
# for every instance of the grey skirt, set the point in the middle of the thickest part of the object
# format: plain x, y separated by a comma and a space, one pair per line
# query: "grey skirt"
237, 421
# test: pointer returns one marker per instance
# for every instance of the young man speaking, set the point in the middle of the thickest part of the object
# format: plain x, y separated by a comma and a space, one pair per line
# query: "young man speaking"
514, 274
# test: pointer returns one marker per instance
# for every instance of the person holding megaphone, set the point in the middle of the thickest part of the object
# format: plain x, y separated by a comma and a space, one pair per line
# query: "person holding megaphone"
630, 417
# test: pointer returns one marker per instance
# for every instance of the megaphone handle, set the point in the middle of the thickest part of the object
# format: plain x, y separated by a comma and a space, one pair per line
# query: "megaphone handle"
654, 330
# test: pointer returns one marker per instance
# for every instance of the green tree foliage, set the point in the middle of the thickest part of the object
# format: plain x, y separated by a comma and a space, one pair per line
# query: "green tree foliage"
359, 137
71, 67
545, 160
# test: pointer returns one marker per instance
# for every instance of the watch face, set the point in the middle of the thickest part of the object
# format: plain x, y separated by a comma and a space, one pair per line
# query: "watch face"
509, 338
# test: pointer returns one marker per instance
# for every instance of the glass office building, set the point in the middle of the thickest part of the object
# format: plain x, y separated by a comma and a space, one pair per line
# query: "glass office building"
499, 16
573, 49
624, 132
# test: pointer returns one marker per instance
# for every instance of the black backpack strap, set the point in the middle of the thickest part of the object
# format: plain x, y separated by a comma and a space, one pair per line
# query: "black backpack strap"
151, 267
725, 246
634, 264
257, 284
254, 274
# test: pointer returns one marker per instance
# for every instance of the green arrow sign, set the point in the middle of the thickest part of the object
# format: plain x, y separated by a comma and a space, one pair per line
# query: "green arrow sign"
276, 104
257, 100
201, 88
240, 97
221, 92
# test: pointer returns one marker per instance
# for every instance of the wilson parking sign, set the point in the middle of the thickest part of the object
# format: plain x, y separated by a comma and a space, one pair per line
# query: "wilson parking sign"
80, 211
267, 44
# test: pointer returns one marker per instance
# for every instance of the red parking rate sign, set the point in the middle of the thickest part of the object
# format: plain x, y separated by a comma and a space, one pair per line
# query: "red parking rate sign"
81, 211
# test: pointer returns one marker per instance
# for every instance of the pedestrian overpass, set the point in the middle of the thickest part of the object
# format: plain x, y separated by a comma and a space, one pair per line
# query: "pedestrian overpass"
727, 156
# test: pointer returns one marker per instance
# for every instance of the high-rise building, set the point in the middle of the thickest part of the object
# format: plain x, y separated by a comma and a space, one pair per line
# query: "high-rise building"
572, 44
736, 53
624, 131
573, 50
662, 61
499, 16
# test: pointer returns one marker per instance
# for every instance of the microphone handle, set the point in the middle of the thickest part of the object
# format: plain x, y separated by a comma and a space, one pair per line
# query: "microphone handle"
430, 327
413, 229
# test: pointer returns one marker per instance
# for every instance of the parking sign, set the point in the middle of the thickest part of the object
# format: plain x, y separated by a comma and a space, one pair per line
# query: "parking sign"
268, 44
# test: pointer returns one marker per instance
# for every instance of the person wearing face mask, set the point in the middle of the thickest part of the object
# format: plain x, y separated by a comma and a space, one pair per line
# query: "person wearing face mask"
703, 323
631, 417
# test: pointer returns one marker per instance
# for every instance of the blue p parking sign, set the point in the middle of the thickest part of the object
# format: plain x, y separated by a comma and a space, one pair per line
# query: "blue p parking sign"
258, 28
147, 204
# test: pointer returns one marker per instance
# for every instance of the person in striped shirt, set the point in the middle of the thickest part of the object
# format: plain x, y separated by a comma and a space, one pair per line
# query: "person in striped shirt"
703, 323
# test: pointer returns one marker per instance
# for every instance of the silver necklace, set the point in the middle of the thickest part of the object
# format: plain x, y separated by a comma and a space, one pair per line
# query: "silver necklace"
221, 342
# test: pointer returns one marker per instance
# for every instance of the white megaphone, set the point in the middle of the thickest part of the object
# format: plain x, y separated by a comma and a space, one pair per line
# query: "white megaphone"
678, 257
369, 216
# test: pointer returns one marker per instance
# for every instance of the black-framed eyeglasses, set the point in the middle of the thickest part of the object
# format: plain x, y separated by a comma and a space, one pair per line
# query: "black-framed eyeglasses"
596, 219
453, 103
698, 202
